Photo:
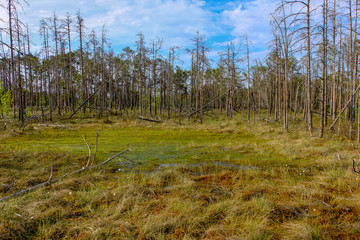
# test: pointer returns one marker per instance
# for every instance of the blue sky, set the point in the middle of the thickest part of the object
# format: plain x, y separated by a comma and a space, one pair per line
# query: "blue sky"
174, 21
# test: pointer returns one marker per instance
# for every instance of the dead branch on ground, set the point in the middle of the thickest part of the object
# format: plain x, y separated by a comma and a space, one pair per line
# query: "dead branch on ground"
150, 120
88, 146
52, 181
96, 145
204, 108
84, 102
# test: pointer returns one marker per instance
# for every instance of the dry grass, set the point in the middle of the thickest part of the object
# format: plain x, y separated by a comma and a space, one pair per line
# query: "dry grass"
287, 186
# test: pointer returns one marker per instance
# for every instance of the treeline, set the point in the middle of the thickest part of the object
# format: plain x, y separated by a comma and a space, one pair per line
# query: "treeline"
311, 68
59, 78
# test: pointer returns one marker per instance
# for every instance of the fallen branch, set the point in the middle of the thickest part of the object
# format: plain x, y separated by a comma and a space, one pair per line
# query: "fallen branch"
103, 84
52, 125
81, 105
268, 121
329, 115
96, 145
19, 193
24, 219
150, 120
236, 110
52, 171
327, 205
110, 158
88, 146
346, 106
209, 115
132, 161
51, 181
206, 105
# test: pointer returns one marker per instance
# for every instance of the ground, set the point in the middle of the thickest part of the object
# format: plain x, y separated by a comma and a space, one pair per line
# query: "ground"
225, 179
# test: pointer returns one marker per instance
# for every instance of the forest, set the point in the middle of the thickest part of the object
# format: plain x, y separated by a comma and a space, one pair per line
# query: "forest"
224, 147
311, 69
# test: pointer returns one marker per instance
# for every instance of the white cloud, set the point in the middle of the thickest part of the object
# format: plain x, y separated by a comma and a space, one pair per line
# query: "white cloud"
251, 18
176, 21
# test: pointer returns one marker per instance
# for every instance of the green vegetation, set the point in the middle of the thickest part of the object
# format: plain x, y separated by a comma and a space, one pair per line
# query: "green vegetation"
5, 101
223, 180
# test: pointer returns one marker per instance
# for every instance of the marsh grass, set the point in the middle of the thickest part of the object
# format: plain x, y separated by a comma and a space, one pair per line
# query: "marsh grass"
223, 180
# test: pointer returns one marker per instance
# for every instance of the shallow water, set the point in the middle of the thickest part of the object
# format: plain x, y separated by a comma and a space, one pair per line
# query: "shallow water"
204, 164
127, 167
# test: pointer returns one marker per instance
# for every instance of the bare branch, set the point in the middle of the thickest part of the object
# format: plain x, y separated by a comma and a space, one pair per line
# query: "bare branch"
339, 159
89, 148
111, 158
24, 191
96, 145
52, 171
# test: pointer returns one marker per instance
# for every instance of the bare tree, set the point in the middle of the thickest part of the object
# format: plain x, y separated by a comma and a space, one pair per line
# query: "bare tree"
80, 29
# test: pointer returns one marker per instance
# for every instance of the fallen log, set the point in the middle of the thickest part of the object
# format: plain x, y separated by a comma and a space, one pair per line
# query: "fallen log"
209, 115
149, 119
204, 107
81, 105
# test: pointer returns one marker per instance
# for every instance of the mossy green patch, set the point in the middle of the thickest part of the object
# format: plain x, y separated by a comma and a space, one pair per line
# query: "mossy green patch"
152, 145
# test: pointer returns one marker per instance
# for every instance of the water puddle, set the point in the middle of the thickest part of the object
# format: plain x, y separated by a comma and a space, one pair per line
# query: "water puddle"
208, 164
127, 167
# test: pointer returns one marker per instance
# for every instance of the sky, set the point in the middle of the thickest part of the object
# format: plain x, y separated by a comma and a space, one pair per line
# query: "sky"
174, 21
